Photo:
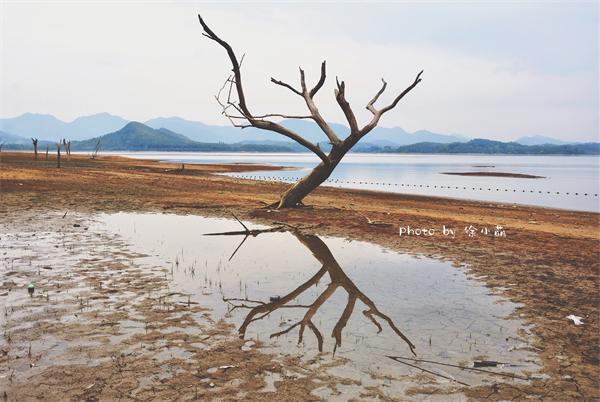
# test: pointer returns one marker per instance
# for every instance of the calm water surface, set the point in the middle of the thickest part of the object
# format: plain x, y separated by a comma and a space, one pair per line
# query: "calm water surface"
268, 285
569, 182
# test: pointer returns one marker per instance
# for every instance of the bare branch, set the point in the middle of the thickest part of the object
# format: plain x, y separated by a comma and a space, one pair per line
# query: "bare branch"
340, 97
242, 107
269, 125
378, 113
302, 81
285, 116
399, 97
286, 85
308, 98
314, 111
316, 88
370, 105
236, 66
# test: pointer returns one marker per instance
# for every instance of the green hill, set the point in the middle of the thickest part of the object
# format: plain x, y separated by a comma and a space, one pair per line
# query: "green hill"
139, 137
136, 137
481, 146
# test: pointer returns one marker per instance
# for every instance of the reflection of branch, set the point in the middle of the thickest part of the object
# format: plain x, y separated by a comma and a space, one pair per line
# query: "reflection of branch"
246, 232
237, 248
338, 280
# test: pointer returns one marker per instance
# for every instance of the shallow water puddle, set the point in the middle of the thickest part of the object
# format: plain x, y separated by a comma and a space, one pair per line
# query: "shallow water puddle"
363, 306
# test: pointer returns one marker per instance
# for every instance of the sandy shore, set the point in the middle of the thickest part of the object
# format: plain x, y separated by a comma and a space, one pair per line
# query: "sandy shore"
548, 261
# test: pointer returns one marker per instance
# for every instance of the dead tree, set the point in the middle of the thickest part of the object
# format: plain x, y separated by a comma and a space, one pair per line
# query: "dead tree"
34, 141
67, 147
1, 145
96, 150
47, 148
58, 154
236, 109
339, 279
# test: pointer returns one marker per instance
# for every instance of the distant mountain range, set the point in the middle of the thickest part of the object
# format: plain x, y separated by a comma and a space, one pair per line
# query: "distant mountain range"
381, 136
175, 133
13, 139
50, 128
136, 136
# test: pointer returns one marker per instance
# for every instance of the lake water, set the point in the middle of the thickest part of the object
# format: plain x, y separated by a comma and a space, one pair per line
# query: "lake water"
569, 182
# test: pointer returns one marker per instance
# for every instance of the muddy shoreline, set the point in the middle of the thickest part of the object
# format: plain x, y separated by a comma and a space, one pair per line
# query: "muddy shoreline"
548, 261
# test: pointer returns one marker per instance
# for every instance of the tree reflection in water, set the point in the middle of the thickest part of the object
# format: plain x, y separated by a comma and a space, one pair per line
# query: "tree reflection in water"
259, 309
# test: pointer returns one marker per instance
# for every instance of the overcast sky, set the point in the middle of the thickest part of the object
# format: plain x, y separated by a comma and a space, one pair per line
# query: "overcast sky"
497, 70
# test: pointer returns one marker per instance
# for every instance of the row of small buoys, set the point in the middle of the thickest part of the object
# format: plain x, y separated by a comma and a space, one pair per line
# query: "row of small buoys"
339, 181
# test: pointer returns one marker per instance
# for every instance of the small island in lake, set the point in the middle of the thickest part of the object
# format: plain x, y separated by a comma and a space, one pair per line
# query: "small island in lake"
495, 174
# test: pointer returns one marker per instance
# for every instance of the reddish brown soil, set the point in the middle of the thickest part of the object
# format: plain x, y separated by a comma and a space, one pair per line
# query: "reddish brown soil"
549, 260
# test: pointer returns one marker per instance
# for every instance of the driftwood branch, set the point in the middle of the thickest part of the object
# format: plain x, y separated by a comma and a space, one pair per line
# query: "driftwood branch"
508, 375
429, 371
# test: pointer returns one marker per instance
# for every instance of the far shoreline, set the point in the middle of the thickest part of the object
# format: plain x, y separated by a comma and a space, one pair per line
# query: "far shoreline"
495, 174
182, 151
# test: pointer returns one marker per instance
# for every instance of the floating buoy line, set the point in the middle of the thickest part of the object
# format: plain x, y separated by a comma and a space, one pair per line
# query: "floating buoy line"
430, 186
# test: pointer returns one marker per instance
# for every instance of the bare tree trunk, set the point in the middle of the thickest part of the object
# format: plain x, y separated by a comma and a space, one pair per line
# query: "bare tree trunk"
47, 152
34, 141
58, 155
96, 150
1, 145
295, 194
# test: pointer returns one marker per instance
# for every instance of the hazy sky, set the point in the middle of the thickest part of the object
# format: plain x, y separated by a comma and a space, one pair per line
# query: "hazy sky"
492, 69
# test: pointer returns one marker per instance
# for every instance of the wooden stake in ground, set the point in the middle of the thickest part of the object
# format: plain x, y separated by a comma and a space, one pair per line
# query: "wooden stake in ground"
34, 141
232, 99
